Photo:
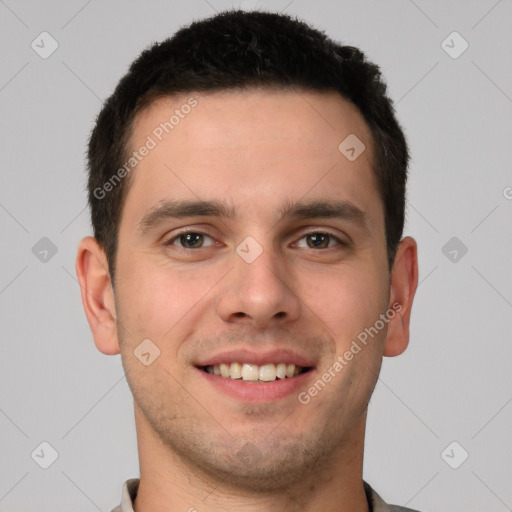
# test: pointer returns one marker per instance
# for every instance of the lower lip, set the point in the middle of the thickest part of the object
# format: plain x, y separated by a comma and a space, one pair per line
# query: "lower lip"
252, 392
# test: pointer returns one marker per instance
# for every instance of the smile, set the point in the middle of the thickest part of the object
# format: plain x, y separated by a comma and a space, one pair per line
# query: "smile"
255, 373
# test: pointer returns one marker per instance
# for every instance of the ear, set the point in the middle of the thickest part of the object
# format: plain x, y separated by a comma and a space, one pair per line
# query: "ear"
97, 295
403, 284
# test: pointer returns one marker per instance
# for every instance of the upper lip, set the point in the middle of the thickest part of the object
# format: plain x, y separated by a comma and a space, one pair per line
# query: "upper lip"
257, 358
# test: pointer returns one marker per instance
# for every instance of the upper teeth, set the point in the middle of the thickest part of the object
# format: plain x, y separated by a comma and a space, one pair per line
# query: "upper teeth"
246, 371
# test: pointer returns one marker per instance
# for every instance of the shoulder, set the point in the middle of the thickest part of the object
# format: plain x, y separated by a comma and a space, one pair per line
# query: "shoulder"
379, 505
128, 495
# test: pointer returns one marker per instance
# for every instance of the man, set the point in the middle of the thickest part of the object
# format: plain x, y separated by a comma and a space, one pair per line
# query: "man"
247, 188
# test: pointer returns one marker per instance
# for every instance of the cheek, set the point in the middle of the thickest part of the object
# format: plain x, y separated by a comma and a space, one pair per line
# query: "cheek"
346, 300
156, 301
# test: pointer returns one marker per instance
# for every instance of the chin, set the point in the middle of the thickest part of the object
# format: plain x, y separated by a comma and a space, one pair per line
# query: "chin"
270, 465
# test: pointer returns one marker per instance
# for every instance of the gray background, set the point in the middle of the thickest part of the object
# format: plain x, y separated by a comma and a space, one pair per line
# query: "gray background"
454, 381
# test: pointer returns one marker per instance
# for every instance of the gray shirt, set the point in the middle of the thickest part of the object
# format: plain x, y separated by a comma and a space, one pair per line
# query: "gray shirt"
377, 504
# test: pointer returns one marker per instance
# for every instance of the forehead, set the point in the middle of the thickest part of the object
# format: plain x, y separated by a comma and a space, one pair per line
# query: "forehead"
229, 117
252, 148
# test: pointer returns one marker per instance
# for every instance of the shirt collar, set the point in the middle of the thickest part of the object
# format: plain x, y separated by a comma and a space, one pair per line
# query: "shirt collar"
130, 488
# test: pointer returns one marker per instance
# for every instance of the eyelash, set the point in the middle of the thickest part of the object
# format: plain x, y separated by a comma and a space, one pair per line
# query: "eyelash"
170, 242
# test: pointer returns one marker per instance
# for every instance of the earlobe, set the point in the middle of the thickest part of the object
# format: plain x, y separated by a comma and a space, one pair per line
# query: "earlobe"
97, 295
404, 281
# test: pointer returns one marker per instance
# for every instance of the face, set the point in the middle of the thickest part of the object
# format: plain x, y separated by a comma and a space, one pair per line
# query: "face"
284, 263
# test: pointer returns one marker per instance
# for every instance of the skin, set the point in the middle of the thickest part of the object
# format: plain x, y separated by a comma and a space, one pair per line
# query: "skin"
254, 151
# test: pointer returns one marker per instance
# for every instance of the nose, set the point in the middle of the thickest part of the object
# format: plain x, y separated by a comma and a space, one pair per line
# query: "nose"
259, 293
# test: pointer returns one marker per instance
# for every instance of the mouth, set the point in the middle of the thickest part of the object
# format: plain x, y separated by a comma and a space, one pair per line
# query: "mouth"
252, 377
253, 373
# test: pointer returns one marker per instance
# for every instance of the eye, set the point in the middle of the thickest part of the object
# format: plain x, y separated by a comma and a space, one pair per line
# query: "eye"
319, 240
190, 240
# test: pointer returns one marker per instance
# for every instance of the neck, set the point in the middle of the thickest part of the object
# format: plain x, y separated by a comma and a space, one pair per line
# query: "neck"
168, 483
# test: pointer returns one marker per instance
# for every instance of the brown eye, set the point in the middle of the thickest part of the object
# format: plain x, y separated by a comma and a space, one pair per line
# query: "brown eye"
319, 240
190, 240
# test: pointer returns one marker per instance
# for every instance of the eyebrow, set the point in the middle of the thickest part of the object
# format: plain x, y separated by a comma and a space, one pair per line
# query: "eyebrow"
334, 209
182, 209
